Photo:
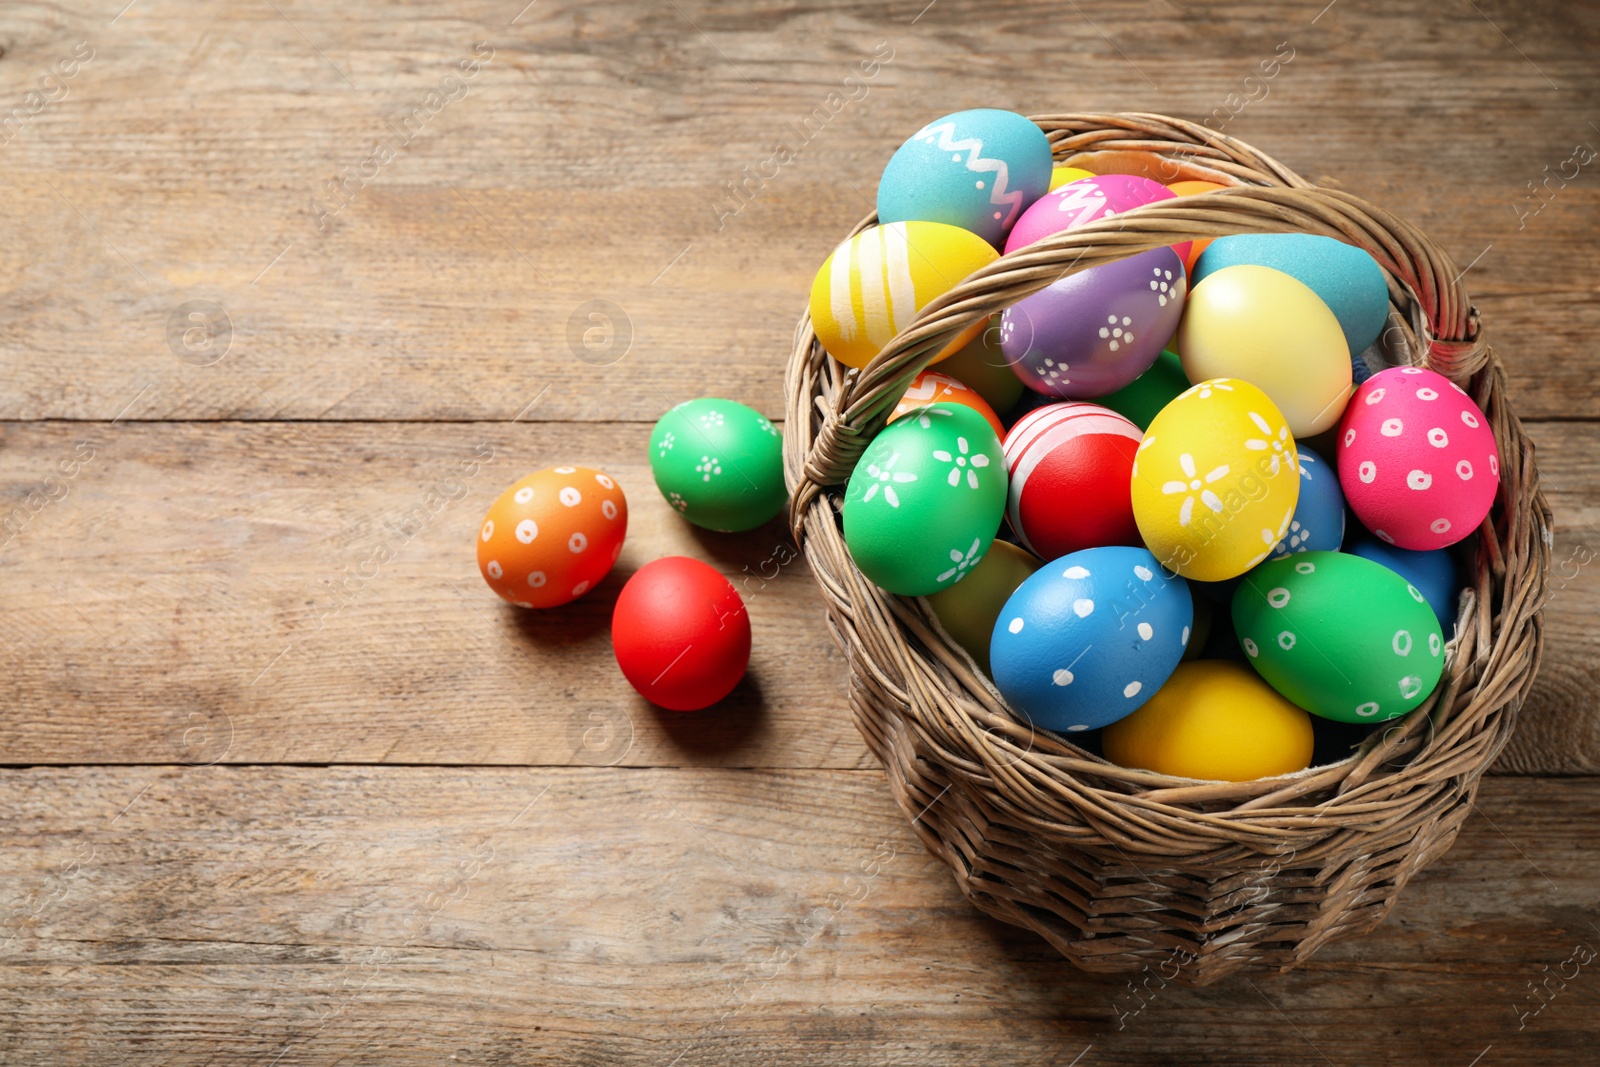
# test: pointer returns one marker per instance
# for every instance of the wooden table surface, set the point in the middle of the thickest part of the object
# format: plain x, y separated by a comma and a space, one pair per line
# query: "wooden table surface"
284, 784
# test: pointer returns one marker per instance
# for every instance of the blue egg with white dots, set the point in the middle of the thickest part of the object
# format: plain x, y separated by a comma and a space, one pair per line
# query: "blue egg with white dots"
1318, 522
1432, 571
1089, 637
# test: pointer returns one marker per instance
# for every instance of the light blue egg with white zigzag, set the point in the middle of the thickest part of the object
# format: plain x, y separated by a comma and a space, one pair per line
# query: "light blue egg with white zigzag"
977, 169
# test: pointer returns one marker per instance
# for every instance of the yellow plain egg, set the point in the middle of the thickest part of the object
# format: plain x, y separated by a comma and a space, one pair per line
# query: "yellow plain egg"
1272, 330
1215, 480
872, 286
1216, 720
1060, 176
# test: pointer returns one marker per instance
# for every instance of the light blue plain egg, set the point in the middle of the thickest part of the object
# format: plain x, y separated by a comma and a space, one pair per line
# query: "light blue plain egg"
1433, 572
977, 169
1089, 637
1346, 278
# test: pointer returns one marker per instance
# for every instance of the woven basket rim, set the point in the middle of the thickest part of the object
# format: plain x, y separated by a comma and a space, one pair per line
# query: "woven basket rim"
958, 719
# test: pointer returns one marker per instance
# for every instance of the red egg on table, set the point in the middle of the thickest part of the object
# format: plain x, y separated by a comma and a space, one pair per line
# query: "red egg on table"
932, 387
1070, 467
680, 633
552, 536
1417, 461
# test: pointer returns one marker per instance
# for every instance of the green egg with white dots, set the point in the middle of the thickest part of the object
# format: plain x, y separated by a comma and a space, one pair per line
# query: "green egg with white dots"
925, 500
719, 464
1341, 636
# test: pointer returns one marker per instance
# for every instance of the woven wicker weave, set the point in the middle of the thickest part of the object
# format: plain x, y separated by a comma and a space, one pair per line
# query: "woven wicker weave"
1124, 869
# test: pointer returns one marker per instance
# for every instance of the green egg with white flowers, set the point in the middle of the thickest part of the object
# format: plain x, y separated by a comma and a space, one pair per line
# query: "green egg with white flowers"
1341, 636
925, 500
719, 464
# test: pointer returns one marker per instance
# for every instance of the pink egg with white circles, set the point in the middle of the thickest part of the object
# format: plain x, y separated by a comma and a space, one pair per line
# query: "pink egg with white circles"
1417, 460
1086, 200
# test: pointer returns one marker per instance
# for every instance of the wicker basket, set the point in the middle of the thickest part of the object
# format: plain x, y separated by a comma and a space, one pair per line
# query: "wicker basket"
1124, 869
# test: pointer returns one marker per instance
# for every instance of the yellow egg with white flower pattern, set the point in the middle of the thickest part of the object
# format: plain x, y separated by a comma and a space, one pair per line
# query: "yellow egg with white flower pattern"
1215, 480
874, 283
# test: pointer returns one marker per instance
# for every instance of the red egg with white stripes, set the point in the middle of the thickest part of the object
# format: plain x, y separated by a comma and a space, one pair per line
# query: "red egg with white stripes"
1070, 467
1417, 460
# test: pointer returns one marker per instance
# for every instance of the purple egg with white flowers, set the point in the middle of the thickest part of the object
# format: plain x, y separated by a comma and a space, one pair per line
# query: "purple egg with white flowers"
1089, 637
1094, 332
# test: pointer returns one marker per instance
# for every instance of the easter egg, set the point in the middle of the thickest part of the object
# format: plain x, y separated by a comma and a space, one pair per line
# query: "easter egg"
1215, 481
552, 536
719, 463
1085, 200
1068, 467
1339, 635
932, 387
1344, 277
872, 286
1318, 523
1141, 399
1060, 176
968, 609
1270, 329
983, 367
977, 169
925, 500
1095, 331
1417, 459
1089, 637
680, 634
1214, 720
1194, 188
1433, 573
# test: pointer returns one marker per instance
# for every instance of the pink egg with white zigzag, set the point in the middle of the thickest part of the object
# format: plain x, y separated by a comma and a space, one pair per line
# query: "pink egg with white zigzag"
1086, 200
1417, 461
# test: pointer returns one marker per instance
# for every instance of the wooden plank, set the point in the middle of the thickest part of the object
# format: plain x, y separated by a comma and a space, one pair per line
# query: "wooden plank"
696, 916
590, 158
309, 592
1558, 732
208, 591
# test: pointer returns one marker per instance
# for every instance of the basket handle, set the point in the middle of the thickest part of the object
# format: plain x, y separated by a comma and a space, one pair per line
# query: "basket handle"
1420, 274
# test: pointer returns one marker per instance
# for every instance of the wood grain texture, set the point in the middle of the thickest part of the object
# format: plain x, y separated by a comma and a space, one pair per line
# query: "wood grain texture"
308, 592
592, 155
225, 591
692, 916
194, 594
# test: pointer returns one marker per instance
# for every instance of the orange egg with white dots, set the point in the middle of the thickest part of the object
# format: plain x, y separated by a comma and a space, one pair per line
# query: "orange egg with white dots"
552, 536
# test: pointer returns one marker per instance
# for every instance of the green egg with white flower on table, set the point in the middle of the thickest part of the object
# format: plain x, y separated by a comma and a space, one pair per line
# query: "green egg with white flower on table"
719, 463
925, 500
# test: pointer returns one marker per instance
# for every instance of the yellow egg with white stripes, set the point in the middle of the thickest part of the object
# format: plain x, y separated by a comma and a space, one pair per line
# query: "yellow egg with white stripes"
873, 285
